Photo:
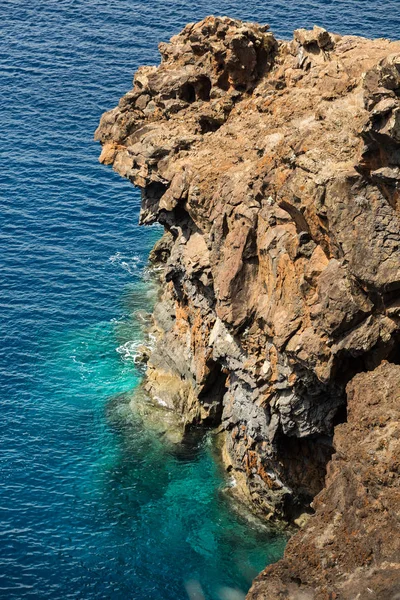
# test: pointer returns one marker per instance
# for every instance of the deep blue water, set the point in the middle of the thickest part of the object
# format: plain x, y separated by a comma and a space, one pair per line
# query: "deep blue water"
95, 505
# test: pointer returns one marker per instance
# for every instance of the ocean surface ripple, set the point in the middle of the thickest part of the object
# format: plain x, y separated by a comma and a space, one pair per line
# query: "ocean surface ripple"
93, 504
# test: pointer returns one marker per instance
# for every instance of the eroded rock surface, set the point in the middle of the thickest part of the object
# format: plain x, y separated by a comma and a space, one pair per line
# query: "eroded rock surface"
275, 170
350, 549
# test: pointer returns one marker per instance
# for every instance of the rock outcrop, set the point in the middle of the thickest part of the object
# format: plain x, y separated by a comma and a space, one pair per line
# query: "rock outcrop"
274, 167
350, 549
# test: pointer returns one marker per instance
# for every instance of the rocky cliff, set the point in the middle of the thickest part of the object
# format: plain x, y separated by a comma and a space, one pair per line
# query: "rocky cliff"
350, 548
274, 167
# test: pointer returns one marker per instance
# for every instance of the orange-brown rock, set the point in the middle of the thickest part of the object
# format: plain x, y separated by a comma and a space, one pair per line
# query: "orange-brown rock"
275, 169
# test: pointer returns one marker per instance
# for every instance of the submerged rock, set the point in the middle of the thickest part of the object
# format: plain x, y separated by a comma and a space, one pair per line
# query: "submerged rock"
274, 168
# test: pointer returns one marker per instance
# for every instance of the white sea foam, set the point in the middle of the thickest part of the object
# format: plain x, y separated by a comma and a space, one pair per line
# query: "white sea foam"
117, 320
148, 272
132, 264
129, 350
152, 340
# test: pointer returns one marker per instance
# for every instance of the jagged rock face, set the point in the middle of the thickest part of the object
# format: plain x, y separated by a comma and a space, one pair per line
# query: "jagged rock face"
275, 169
351, 548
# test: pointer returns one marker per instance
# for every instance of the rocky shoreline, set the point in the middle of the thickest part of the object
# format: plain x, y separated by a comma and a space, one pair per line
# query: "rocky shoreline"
274, 167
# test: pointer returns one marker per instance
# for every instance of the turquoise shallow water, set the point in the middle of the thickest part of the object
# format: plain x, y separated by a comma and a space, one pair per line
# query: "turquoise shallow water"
93, 505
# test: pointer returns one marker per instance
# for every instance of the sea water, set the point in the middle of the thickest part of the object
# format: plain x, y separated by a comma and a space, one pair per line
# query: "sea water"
94, 504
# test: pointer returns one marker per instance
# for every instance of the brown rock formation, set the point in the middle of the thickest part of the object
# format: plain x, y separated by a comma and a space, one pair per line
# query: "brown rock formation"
275, 170
351, 548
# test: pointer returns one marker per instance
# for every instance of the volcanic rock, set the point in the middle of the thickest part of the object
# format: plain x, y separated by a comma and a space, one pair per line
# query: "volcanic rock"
274, 167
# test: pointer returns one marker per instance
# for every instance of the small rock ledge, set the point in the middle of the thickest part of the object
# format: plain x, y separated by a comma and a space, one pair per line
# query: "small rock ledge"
275, 169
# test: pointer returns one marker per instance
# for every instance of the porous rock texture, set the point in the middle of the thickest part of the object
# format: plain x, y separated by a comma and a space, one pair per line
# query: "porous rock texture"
274, 167
350, 549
